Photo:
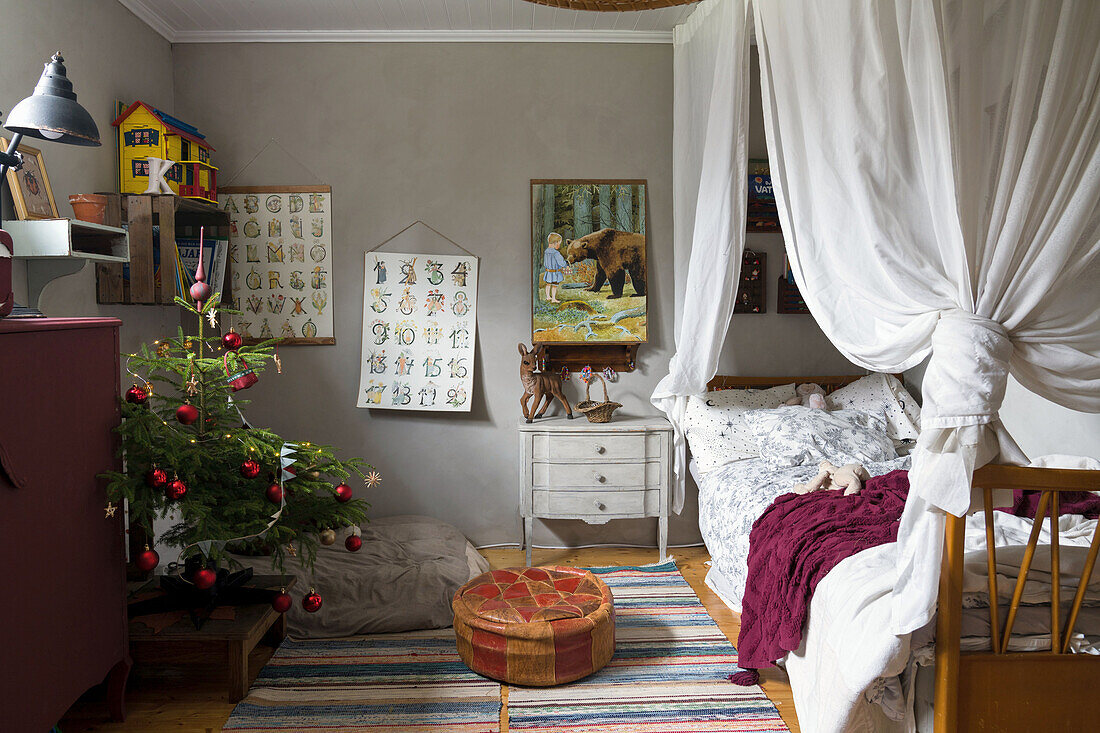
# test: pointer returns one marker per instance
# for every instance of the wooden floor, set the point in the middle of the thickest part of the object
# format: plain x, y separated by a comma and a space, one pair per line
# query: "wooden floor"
194, 697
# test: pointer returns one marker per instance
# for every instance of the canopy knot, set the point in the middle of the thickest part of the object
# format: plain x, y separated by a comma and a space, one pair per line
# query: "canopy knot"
968, 373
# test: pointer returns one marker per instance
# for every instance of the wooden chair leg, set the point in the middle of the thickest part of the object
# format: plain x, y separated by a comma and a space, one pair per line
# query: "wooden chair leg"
949, 627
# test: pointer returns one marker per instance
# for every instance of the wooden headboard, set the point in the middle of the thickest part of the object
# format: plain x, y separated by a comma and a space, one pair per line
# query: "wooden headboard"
829, 384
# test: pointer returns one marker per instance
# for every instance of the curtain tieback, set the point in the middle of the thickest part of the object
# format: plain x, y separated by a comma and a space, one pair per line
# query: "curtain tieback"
963, 389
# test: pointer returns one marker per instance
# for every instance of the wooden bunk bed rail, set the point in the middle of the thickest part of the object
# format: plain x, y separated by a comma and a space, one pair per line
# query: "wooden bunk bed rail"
1014, 691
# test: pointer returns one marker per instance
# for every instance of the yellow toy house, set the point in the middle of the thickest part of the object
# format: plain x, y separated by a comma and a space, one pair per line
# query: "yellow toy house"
145, 132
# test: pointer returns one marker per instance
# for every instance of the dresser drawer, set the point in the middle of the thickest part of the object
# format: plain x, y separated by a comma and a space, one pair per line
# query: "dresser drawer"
604, 475
596, 447
591, 504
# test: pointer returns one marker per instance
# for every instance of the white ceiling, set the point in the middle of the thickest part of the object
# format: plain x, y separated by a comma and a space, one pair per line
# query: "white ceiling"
229, 21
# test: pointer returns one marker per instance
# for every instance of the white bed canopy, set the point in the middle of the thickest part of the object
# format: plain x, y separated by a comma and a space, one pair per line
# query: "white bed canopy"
937, 169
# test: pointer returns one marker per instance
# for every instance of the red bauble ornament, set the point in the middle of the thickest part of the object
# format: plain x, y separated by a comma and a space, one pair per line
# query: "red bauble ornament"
136, 395
311, 602
187, 414
274, 494
232, 341
204, 578
175, 490
353, 542
343, 493
147, 559
281, 602
156, 478
250, 469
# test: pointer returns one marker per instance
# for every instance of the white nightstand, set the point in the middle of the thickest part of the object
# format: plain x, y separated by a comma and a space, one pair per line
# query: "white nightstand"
574, 469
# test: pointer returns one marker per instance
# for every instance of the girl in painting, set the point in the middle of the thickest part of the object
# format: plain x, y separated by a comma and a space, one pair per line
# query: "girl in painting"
553, 267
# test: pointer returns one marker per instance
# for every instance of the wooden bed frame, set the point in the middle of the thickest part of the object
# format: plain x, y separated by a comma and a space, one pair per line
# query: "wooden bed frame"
1000, 690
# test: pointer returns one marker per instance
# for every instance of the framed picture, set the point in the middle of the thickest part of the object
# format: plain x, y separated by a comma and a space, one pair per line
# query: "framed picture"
588, 261
30, 187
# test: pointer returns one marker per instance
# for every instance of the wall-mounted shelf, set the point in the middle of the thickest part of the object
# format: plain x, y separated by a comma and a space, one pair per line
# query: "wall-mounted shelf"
54, 248
153, 220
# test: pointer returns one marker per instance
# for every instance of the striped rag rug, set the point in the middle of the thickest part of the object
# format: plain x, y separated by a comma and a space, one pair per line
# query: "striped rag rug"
410, 683
669, 673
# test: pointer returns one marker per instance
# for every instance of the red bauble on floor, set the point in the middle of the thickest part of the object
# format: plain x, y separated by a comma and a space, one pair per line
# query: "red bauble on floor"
353, 543
187, 414
250, 469
282, 602
311, 602
343, 492
204, 578
147, 559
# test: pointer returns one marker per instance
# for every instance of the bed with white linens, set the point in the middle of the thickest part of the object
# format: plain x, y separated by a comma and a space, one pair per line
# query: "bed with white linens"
851, 673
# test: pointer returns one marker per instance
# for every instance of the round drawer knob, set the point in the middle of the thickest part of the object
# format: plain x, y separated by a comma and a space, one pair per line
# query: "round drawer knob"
599, 477
599, 504
600, 449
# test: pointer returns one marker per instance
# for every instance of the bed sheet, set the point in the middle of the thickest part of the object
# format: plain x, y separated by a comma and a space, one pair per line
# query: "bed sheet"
731, 498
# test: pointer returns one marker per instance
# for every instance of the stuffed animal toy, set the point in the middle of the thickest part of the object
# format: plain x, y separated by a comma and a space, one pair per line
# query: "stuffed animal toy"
848, 478
808, 395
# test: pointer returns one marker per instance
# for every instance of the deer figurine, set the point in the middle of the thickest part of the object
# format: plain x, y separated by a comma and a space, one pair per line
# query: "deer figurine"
543, 386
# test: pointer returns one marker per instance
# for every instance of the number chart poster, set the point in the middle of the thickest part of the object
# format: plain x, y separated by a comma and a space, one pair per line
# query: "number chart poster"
419, 325
280, 252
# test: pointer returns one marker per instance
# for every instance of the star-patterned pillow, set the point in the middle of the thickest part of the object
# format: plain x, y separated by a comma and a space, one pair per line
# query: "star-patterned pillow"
715, 428
881, 394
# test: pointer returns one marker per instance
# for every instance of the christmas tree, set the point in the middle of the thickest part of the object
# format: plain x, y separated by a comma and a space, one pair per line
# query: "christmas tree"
190, 452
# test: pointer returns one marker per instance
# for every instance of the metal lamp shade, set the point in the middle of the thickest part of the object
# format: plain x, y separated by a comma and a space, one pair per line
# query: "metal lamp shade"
52, 112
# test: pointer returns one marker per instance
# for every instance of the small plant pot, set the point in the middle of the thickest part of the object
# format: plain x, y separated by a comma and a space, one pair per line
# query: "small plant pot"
90, 207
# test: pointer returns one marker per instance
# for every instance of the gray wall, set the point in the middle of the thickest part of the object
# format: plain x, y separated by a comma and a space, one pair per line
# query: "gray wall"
450, 134
110, 55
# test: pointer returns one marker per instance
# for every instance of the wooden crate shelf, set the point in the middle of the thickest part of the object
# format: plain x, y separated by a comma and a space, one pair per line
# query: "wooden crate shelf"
139, 213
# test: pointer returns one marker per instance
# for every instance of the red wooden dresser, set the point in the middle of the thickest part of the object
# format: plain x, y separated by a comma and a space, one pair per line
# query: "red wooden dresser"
63, 617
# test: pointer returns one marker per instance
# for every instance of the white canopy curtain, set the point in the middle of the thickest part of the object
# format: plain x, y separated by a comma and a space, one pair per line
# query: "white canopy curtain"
710, 188
937, 169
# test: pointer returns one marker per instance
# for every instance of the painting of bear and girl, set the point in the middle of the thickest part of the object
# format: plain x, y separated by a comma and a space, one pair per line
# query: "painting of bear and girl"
588, 261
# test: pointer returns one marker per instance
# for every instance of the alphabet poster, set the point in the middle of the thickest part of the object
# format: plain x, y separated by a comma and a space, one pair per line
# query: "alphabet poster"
280, 252
419, 326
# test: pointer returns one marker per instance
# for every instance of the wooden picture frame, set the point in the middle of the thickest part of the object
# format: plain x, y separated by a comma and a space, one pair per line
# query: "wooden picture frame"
30, 186
618, 204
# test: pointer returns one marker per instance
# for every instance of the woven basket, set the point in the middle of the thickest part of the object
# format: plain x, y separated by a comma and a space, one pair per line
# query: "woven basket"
597, 411
612, 6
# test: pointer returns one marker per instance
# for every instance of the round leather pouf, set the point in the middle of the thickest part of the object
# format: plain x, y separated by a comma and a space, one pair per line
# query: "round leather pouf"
535, 626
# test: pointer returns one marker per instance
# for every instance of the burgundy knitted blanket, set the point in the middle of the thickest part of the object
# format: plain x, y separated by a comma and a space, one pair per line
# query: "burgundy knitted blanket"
793, 545
1026, 504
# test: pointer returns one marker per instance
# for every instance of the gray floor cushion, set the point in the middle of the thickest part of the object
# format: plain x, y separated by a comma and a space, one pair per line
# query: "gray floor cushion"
402, 579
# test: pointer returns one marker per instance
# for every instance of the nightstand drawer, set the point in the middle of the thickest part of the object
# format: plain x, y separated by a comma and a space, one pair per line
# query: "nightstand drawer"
594, 447
557, 475
587, 503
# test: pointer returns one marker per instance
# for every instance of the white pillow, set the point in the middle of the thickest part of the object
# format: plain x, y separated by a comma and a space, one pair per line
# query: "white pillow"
714, 428
804, 436
881, 394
